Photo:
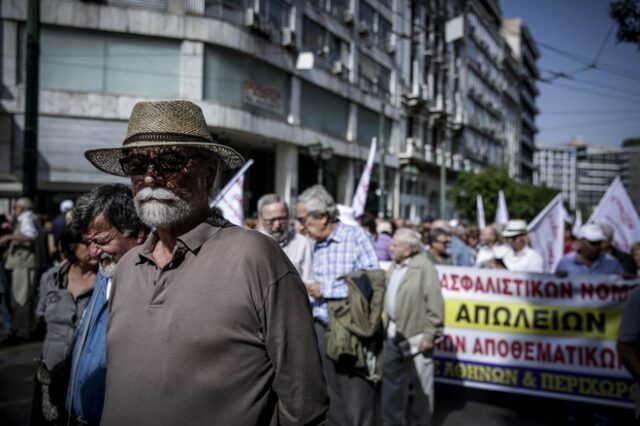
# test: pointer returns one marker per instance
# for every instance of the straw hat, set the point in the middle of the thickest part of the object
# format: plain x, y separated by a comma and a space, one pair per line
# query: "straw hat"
163, 123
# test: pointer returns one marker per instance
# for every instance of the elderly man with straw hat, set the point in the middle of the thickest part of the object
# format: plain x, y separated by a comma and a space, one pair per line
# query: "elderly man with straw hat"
209, 322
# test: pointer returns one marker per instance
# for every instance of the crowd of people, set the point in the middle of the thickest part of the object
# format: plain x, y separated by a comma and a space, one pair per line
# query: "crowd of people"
154, 309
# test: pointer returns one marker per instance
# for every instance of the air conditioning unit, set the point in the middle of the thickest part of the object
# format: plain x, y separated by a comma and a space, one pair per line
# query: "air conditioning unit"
347, 17
337, 67
391, 43
363, 29
417, 97
251, 18
288, 37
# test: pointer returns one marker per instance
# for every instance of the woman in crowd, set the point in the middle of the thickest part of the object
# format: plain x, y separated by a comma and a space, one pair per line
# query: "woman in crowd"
65, 290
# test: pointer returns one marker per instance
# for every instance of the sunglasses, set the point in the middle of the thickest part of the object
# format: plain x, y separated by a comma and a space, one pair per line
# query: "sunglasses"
163, 163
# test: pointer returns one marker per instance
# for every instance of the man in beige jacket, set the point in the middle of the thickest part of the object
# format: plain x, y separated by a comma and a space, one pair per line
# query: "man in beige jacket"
415, 309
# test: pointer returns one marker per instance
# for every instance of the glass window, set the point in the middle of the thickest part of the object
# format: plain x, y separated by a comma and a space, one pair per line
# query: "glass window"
312, 36
368, 126
367, 16
323, 111
384, 31
244, 82
276, 12
339, 7
90, 61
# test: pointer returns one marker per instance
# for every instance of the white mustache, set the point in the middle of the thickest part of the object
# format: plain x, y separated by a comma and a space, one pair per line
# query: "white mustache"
146, 194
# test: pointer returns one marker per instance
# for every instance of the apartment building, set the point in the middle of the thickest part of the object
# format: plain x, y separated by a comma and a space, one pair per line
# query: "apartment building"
397, 69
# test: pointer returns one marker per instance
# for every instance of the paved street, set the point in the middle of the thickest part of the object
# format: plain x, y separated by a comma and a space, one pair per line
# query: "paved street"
455, 406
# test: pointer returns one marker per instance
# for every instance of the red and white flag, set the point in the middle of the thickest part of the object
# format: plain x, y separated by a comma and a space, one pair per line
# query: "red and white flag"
617, 209
502, 214
230, 200
480, 212
546, 233
360, 197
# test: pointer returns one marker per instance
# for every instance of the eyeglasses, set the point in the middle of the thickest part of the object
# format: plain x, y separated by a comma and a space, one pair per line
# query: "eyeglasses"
303, 220
275, 219
443, 242
163, 163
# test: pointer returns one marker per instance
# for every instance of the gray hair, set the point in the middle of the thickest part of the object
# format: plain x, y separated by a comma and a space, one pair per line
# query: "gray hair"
267, 199
410, 238
317, 201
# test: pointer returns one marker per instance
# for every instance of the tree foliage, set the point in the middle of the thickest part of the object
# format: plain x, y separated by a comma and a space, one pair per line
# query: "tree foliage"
631, 142
524, 201
626, 13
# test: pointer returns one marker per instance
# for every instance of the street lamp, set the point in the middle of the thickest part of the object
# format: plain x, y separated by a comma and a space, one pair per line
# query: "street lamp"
320, 153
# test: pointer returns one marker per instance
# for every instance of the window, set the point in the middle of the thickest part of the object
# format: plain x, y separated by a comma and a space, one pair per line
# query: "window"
369, 124
331, 51
313, 36
373, 77
90, 61
244, 82
323, 111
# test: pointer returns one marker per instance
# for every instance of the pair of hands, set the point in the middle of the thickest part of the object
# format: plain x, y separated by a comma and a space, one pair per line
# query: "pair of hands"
313, 289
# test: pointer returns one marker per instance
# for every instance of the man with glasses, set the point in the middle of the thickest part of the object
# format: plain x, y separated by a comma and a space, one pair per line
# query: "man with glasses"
438, 252
209, 322
107, 220
590, 256
339, 249
273, 220
522, 258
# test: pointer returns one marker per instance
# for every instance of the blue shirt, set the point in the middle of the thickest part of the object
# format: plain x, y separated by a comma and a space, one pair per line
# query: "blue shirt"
604, 265
88, 382
347, 249
459, 252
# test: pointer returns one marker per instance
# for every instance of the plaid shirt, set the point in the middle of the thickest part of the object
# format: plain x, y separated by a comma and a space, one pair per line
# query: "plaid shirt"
347, 249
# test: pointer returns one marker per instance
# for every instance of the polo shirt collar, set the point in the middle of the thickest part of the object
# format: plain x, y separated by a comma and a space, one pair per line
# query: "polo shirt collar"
191, 241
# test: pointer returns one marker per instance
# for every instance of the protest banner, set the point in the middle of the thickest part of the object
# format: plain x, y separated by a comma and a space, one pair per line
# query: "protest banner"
360, 198
502, 214
534, 334
230, 200
546, 233
480, 212
617, 209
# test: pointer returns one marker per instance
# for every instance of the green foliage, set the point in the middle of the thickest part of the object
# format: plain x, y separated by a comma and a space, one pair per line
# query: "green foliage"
629, 142
626, 13
524, 201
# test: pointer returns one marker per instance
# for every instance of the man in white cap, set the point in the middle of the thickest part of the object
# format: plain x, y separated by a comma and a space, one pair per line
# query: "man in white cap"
589, 256
523, 258
209, 322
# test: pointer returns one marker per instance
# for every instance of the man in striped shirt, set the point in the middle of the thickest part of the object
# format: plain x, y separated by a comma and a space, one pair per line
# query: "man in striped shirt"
339, 249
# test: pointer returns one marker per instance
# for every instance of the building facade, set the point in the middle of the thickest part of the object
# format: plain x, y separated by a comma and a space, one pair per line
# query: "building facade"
394, 70
526, 53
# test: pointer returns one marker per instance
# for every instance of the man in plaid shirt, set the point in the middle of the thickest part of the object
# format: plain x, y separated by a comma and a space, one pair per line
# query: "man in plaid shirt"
339, 249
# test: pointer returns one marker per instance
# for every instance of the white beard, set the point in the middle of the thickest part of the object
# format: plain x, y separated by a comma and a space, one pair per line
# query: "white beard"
168, 211
108, 269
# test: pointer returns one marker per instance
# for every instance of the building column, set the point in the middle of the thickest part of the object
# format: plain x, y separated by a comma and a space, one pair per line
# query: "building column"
287, 172
346, 177
192, 70
294, 101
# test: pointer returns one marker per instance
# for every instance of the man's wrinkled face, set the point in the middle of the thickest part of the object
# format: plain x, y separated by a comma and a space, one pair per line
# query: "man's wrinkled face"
274, 219
487, 236
399, 249
517, 242
169, 183
313, 227
107, 244
589, 250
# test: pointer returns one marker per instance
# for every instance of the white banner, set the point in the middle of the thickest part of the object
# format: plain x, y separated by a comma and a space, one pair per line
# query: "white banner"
230, 200
502, 214
617, 209
546, 233
535, 334
480, 212
577, 224
360, 197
